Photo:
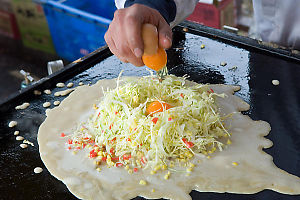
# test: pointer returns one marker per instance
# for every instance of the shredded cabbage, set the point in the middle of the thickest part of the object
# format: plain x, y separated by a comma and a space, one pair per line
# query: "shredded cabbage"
121, 128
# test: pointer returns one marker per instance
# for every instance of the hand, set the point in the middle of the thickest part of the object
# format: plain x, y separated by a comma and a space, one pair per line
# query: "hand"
124, 37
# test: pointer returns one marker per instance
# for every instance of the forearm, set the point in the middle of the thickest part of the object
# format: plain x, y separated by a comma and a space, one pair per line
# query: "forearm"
173, 14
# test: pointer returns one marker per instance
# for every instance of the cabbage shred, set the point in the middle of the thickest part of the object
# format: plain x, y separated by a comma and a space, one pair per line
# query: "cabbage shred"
125, 135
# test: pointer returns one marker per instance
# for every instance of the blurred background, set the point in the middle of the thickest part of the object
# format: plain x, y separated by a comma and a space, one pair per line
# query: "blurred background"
33, 33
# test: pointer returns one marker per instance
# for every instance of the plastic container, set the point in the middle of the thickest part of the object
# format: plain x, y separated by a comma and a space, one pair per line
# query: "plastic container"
77, 27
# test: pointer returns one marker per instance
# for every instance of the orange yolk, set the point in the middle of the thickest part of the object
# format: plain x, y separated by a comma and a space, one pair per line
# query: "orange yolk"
156, 106
156, 61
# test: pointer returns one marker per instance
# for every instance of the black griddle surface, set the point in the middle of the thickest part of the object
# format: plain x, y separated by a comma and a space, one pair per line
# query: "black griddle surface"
278, 105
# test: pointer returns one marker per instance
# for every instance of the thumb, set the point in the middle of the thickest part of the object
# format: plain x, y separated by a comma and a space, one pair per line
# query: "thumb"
164, 35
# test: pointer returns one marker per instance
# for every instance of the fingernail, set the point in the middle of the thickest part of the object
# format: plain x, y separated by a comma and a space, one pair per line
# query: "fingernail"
169, 38
167, 42
138, 52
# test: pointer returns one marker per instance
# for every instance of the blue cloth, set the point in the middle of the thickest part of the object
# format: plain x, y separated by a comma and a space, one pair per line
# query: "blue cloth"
167, 8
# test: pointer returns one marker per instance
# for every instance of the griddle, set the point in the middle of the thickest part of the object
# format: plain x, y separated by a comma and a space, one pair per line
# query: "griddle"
257, 65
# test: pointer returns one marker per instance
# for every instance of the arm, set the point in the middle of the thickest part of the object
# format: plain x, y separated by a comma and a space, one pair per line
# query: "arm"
123, 36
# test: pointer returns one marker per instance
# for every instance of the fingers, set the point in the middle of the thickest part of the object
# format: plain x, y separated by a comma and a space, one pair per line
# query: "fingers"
133, 48
164, 34
124, 36
112, 47
110, 43
125, 52
134, 35
150, 39
118, 41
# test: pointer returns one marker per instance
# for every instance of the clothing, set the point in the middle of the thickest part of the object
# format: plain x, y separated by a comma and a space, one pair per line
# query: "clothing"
183, 7
166, 8
276, 21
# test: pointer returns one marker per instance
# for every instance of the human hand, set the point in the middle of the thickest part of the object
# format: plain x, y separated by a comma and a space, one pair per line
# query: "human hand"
124, 37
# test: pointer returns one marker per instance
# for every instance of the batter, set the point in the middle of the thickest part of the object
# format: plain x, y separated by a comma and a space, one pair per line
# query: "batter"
242, 167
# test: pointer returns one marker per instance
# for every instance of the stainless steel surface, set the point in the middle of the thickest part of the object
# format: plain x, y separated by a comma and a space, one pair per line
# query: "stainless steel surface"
54, 66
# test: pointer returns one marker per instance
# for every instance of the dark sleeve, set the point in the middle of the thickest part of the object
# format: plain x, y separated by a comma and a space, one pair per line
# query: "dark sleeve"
167, 8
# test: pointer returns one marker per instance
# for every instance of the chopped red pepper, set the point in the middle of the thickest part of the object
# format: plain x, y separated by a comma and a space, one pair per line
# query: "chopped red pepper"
111, 150
135, 169
154, 120
116, 112
143, 160
212, 90
99, 114
115, 158
181, 95
126, 157
77, 147
69, 147
169, 119
70, 141
103, 158
62, 135
128, 139
188, 144
119, 164
93, 154
83, 146
91, 141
